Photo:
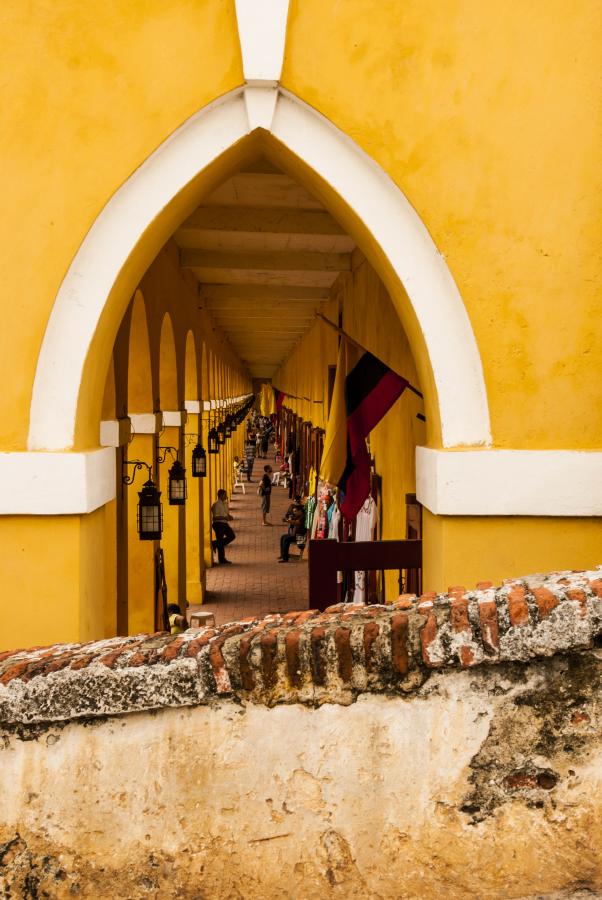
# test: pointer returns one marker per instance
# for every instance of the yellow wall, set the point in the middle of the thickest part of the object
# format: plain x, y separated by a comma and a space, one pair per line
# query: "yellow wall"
54, 577
467, 549
503, 171
488, 120
88, 92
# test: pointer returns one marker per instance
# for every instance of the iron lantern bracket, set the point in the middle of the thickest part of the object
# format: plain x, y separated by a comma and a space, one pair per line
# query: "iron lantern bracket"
161, 457
137, 464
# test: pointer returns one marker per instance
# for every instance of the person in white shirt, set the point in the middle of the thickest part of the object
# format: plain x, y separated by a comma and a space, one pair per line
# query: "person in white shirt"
220, 516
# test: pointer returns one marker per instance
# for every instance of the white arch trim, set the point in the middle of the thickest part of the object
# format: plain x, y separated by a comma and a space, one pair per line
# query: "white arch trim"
368, 191
445, 480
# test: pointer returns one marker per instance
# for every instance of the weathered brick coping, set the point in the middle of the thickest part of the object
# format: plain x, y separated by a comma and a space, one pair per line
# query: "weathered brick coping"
306, 657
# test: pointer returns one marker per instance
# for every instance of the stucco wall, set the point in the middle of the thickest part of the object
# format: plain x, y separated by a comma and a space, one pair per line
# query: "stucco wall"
485, 786
448, 747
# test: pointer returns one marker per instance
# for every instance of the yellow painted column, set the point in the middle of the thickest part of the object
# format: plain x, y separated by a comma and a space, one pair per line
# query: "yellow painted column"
54, 578
207, 495
170, 540
110, 545
194, 520
141, 554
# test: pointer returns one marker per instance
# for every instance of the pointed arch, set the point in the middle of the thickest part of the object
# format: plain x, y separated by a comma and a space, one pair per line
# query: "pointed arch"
139, 378
146, 209
168, 367
191, 379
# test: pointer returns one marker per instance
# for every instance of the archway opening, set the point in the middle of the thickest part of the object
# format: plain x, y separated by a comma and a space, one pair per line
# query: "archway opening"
250, 277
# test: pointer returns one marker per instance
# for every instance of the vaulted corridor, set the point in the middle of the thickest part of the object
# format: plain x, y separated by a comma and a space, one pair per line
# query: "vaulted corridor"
255, 584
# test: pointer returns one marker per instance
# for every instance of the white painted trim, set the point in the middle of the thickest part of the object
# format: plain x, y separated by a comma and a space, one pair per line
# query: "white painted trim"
510, 482
262, 33
207, 405
174, 418
192, 407
261, 106
52, 484
115, 432
146, 423
360, 182
104, 252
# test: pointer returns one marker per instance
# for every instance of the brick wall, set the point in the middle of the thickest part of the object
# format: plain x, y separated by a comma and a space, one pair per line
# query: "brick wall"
448, 746
307, 657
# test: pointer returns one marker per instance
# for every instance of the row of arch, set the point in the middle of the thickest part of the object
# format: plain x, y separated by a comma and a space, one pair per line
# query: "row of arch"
161, 365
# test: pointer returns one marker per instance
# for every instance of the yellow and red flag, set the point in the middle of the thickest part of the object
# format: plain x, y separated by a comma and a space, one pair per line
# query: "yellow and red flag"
365, 389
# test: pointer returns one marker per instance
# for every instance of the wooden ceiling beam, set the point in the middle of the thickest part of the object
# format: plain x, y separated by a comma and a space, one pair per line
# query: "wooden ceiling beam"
282, 331
262, 315
230, 292
262, 219
266, 262
262, 189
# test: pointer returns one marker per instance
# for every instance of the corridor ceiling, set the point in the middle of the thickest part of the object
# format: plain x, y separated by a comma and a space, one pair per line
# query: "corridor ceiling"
266, 254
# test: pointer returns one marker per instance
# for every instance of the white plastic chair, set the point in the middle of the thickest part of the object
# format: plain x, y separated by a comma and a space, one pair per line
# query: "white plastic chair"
238, 482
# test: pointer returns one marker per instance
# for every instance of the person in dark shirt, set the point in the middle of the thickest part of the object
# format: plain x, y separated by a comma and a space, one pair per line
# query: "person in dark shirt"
295, 518
265, 492
250, 458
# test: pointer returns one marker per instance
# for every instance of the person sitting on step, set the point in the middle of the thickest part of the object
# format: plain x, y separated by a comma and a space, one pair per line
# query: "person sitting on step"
295, 518
177, 622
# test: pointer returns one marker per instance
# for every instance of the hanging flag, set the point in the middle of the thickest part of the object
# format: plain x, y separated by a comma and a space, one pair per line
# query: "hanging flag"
365, 389
279, 399
266, 400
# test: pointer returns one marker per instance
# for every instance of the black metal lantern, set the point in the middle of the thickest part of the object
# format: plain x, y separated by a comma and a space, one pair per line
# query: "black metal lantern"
176, 484
199, 462
213, 441
228, 425
221, 433
150, 512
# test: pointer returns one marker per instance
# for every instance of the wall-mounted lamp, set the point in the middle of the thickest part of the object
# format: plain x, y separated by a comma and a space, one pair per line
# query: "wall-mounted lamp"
213, 441
199, 462
176, 479
199, 457
150, 509
221, 433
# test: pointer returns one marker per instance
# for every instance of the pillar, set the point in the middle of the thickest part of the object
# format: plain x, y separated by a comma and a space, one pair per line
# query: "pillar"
141, 554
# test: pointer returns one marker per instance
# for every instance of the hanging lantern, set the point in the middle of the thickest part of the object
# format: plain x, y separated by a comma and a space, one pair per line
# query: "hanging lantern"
213, 441
150, 512
221, 433
176, 485
199, 462
228, 425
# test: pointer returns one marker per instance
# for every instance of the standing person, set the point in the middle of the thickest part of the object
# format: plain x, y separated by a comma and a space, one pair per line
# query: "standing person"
265, 492
258, 445
250, 457
220, 516
295, 518
265, 437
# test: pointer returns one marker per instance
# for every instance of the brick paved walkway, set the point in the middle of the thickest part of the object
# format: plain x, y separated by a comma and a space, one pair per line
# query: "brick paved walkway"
255, 583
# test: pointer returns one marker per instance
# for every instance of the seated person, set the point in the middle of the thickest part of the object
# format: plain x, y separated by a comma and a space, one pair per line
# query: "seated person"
177, 622
295, 517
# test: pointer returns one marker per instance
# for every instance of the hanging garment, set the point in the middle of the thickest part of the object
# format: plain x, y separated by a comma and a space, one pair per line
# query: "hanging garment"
365, 523
310, 508
335, 519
